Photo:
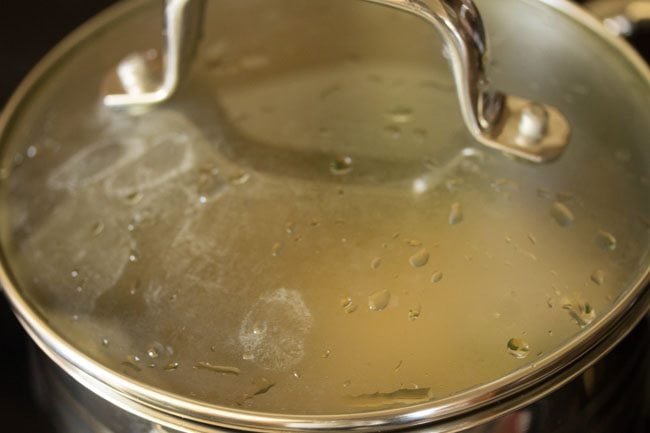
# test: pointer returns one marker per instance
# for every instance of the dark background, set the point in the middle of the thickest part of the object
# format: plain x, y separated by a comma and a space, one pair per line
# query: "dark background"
28, 30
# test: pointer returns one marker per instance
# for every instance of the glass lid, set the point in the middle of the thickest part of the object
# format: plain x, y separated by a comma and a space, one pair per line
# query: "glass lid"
307, 228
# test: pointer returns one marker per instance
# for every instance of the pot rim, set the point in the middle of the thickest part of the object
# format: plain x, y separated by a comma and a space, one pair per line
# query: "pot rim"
518, 388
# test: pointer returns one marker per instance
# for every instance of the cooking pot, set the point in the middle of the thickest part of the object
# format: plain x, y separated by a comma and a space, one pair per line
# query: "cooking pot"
307, 220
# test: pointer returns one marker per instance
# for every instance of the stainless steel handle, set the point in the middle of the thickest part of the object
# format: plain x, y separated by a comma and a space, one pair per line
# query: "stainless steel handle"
515, 125
621, 17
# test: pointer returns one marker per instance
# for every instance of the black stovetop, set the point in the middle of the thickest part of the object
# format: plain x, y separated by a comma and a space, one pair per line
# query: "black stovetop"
28, 29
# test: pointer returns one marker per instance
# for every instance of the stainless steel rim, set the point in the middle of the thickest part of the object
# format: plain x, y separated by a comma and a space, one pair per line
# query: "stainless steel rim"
146, 401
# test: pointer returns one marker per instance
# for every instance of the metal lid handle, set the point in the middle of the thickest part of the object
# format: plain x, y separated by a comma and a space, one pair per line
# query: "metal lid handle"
527, 129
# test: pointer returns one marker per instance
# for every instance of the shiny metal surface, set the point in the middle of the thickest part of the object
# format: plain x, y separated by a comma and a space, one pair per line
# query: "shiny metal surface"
151, 77
592, 401
78, 342
491, 116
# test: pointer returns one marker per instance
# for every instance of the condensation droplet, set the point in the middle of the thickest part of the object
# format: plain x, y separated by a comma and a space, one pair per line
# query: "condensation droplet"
379, 300
348, 306
455, 214
289, 227
598, 277
74, 273
419, 259
97, 228
171, 366
562, 214
240, 178
222, 369
134, 256
276, 249
518, 348
326, 354
582, 313
436, 277
400, 115
31, 151
155, 350
375, 263
605, 240
532, 239
414, 313
134, 197
341, 165
105, 342
414, 243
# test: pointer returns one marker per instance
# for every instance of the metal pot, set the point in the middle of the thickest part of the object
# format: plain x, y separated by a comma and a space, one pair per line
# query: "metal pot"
316, 226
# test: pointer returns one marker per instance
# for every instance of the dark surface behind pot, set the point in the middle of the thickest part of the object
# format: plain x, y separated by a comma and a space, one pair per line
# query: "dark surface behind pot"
28, 30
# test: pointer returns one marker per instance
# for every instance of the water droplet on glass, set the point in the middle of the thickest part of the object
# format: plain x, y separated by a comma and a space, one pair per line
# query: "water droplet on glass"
348, 306
248, 357
97, 228
419, 259
347, 383
74, 273
532, 239
375, 263
436, 277
379, 300
240, 178
598, 277
155, 350
134, 256
31, 151
414, 243
582, 313
276, 249
296, 374
259, 328
562, 214
222, 369
341, 165
414, 313
134, 197
289, 227
518, 348
326, 354
171, 366
105, 342
400, 115
455, 214
605, 240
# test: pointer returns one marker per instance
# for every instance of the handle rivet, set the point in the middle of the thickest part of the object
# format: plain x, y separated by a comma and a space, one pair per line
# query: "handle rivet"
533, 124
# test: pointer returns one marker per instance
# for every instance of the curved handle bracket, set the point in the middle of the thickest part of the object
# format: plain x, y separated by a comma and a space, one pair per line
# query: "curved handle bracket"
512, 124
